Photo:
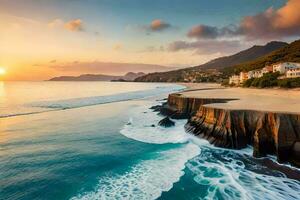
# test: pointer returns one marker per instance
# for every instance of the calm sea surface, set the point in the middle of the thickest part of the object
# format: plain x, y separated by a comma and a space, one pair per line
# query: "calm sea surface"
96, 140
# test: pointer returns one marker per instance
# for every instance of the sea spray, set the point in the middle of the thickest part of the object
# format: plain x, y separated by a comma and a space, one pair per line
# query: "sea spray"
147, 179
228, 174
232, 175
220, 173
152, 176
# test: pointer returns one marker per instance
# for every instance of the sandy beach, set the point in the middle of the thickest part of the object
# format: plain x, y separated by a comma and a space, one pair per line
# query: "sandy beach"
271, 100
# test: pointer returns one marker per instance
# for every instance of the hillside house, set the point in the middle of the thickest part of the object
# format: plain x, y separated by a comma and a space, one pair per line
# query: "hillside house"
293, 73
234, 80
243, 77
255, 74
282, 68
267, 69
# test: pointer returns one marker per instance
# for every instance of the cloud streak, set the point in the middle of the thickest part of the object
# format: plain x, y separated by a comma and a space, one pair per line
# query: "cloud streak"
55, 23
203, 31
206, 46
211, 32
156, 26
106, 67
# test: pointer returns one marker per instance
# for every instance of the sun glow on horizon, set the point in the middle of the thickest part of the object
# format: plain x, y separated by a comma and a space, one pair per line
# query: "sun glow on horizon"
2, 71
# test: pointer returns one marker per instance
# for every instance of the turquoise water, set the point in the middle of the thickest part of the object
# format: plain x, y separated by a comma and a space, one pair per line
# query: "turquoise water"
96, 141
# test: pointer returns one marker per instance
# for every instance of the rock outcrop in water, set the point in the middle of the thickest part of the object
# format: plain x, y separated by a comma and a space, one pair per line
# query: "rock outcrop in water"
166, 122
268, 132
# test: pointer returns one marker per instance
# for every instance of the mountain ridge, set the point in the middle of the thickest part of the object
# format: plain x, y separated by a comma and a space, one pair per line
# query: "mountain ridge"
130, 76
246, 55
289, 53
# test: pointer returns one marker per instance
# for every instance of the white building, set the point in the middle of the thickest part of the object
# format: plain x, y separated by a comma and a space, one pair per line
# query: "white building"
293, 73
234, 80
255, 74
289, 69
282, 68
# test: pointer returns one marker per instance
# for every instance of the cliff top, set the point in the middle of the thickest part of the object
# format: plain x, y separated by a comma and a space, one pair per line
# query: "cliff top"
272, 100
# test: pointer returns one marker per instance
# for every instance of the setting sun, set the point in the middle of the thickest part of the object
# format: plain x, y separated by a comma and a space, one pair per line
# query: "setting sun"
139, 99
2, 71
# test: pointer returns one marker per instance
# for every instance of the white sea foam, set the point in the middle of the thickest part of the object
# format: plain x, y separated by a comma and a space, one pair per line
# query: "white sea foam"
230, 179
150, 177
228, 176
146, 180
233, 180
143, 127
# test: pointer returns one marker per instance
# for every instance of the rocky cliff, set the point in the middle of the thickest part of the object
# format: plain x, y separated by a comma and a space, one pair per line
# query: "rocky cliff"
268, 132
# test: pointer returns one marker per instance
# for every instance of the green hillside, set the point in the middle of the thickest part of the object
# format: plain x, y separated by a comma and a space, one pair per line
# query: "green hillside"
208, 72
290, 53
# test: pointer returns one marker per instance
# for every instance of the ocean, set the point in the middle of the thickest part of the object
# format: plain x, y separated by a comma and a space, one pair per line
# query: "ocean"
100, 140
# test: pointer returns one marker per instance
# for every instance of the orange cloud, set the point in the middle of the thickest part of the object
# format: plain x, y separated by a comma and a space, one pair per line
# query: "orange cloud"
289, 15
74, 25
159, 25
274, 23
270, 24
156, 25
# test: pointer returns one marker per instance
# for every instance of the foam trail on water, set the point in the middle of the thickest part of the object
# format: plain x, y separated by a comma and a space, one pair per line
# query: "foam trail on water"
233, 176
143, 127
230, 174
150, 177
222, 174
146, 180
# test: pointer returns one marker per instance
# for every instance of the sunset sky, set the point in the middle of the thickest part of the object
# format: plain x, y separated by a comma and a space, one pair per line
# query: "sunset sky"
40, 39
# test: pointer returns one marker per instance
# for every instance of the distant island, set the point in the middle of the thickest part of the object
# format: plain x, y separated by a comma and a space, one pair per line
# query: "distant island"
130, 76
255, 63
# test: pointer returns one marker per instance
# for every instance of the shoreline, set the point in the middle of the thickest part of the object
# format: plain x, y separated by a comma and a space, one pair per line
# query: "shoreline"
236, 117
267, 100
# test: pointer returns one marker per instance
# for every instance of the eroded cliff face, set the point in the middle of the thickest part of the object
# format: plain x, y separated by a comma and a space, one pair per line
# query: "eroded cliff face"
179, 106
268, 132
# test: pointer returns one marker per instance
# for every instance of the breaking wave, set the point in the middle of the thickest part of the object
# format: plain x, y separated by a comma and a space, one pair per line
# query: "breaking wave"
95, 100
150, 177
146, 180
221, 173
46, 106
234, 175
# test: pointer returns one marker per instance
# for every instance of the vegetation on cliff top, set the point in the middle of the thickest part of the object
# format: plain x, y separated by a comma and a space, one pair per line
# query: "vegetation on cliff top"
271, 80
